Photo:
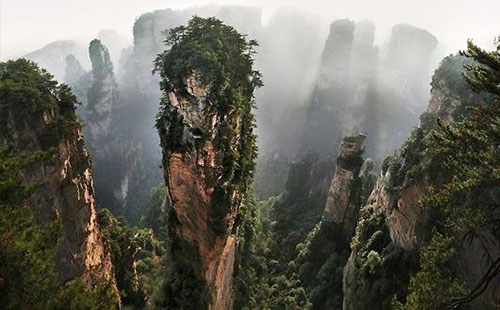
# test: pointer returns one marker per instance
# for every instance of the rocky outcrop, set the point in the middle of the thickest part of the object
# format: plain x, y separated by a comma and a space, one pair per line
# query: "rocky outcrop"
394, 226
331, 94
191, 182
342, 205
336, 57
115, 43
206, 134
102, 95
116, 140
65, 190
325, 250
358, 89
399, 188
99, 114
67, 194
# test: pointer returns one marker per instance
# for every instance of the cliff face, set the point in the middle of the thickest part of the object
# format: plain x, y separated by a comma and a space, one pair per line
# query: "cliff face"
102, 95
124, 165
408, 175
358, 89
99, 113
408, 56
64, 191
342, 205
395, 225
67, 195
197, 217
206, 133
325, 251
336, 55
331, 94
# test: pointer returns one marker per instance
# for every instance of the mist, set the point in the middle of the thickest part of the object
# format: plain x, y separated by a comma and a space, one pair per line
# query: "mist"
27, 25
329, 69
249, 154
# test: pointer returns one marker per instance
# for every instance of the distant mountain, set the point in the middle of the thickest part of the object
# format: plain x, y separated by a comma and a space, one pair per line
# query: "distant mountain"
53, 56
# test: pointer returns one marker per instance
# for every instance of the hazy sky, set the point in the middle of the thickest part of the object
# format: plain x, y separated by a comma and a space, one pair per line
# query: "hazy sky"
26, 25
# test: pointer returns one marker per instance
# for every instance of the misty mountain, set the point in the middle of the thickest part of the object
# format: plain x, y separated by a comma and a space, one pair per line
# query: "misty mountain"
236, 157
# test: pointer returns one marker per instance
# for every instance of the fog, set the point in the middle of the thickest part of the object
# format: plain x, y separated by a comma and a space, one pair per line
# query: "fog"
330, 68
26, 25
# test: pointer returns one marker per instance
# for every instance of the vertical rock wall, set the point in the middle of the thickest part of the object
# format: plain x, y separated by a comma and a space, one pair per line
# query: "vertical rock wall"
65, 190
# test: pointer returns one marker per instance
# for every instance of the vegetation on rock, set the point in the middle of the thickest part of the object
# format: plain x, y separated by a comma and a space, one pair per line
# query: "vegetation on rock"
28, 272
467, 202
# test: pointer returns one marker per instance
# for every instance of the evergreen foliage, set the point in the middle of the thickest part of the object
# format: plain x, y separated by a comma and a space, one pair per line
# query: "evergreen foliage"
26, 92
155, 215
254, 247
221, 59
378, 268
468, 200
301, 206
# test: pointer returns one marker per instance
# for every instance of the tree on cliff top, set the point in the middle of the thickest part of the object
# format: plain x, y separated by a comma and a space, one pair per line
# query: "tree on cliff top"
222, 60
216, 52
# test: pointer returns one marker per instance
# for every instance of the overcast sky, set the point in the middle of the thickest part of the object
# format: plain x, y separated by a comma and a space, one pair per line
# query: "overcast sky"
26, 25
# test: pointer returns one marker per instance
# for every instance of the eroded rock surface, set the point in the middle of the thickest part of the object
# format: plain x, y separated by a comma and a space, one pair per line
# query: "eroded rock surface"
65, 190
342, 205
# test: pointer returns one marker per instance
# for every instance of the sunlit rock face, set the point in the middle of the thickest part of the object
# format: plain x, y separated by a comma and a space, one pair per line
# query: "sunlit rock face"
202, 225
206, 127
65, 191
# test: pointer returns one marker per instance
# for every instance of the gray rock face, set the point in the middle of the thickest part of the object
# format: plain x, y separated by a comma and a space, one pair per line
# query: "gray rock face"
102, 94
120, 165
359, 89
114, 42
330, 97
74, 70
342, 205
336, 58
407, 64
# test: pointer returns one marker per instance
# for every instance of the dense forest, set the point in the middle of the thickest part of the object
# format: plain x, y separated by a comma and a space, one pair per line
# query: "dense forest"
183, 172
